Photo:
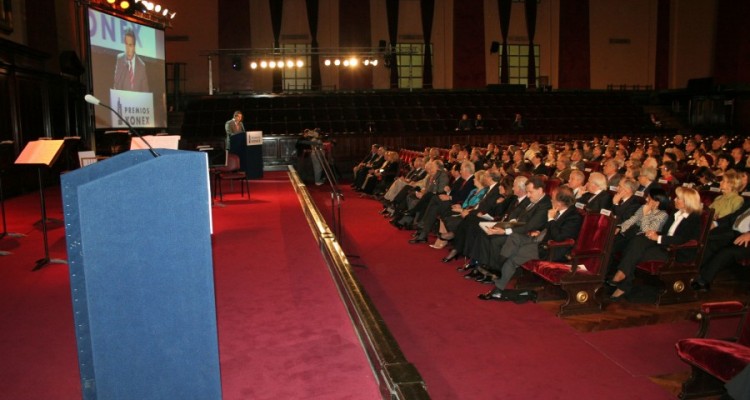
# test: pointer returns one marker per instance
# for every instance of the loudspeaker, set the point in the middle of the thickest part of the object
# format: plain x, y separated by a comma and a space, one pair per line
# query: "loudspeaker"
494, 47
70, 64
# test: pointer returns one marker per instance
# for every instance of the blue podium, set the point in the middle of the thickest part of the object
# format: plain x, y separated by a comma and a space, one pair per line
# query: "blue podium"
138, 231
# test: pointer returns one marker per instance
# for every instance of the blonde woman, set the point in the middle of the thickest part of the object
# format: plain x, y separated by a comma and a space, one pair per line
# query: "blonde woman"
680, 227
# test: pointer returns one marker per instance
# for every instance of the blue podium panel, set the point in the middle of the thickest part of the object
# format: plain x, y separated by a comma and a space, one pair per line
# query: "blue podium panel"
141, 272
251, 157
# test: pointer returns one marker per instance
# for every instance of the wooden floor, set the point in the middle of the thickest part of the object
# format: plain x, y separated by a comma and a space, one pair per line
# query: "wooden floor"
627, 314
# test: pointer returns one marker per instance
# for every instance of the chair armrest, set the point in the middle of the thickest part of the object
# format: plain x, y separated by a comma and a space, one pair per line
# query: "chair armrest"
564, 243
686, 245
718, 310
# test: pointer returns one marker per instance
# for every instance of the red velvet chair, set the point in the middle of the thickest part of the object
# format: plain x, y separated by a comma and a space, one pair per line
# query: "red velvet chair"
569, 281
715, 361
675, 275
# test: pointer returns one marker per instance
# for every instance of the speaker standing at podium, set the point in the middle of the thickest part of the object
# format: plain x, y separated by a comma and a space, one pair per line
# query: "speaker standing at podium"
130, 70
234, 125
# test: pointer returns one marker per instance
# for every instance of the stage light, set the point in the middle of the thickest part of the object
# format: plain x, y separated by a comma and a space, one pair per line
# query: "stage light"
253, 65
272, 64
172, 15
111, 1
264, 64
149, 6
366, 62
165, 12
327, 62
289, 63
374, 63
125, 4
300, 64
353, 62
337, 62
157, 8
346, 63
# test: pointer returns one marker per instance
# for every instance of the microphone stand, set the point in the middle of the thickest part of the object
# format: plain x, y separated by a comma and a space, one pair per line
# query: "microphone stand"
130, 127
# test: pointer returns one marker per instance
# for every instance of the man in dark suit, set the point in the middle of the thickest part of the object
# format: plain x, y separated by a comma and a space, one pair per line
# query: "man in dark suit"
527, 219
440, 205
362, 172
130, 70
609, 169
624, 202
416, 203
465, 232
597, 196
563, 223
537, 165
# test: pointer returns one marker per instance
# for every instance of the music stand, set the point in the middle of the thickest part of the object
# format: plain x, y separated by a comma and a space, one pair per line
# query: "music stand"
42, 153
6, 160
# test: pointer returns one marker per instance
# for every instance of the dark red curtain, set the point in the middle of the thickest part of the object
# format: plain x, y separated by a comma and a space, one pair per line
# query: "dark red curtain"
354, 31
732, 47
661, 76
505, 7
428, 12
531, 6
312, 21
277, 7
575, 49
469, 50
392, 14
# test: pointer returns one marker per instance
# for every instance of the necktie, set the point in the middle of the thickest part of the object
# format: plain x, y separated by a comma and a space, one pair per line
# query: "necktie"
131, 67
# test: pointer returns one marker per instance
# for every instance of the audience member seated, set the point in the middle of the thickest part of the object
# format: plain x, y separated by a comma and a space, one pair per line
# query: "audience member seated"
682, 226
411, 179
492, 204
485, 253
563, 222
440, 205
459, 211
464, 124
597, 196
649, 217
362, 170
380, 179
415, 203
479, 123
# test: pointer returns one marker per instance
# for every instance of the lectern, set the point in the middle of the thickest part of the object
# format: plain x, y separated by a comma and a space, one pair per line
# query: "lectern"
138, 232
249, 147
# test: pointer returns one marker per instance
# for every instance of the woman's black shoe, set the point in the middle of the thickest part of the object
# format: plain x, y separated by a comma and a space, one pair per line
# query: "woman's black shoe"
451, 256
611, 283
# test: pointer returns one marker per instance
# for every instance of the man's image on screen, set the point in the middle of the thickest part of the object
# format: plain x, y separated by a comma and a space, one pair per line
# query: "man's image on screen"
130, 70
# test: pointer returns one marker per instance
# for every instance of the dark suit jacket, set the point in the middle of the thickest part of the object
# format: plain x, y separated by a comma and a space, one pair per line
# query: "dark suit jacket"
438, 183
565, 227
122, 75
540, 170
688, 229
535, 218
460, 189
626, 209
489, 200
596, 203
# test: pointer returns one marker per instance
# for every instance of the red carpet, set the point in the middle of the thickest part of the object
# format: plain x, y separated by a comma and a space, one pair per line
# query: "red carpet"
469, 349
283, 330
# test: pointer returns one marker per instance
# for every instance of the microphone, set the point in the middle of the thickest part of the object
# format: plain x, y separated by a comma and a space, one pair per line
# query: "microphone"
93, 100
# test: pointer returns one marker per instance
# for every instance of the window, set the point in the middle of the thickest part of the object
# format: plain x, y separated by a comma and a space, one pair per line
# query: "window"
296, 78
518, 63
410, 65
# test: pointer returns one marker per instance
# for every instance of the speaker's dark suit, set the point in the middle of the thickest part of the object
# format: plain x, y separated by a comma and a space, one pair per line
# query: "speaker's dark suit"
520, 247
139, 82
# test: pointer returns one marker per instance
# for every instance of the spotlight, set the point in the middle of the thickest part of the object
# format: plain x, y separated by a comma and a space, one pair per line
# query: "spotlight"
327, 62
125, 4
353, 62
253, 65
289, 63
111, 1
337, 62
346, 63
366, 62
264, 64
150, 6
157, 8
165, 12
172, 15
300, 63
374, 63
